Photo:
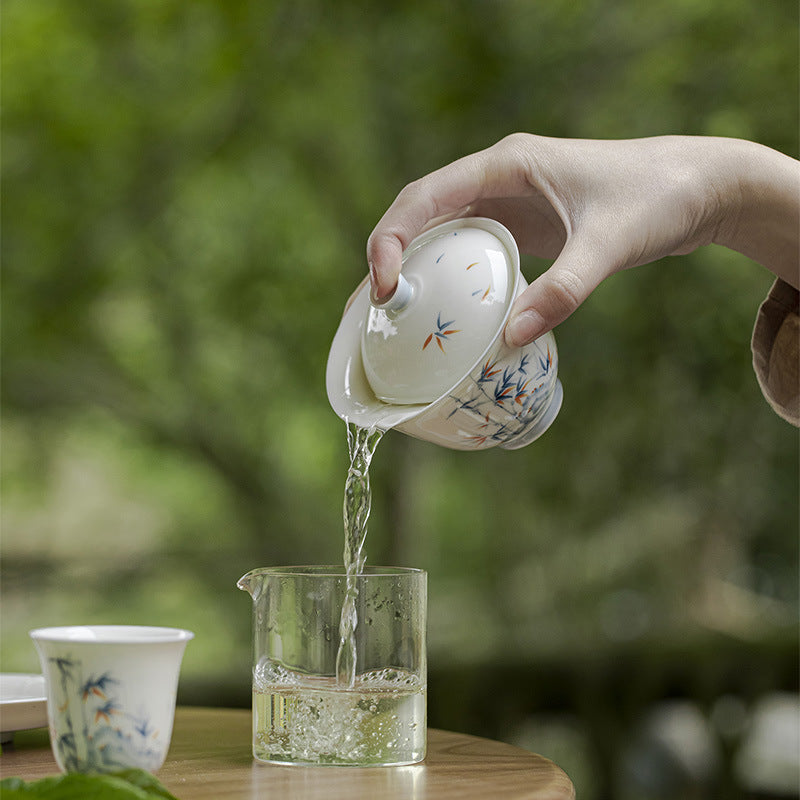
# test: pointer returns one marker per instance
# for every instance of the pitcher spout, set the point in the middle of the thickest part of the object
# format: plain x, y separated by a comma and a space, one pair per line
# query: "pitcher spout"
252, 583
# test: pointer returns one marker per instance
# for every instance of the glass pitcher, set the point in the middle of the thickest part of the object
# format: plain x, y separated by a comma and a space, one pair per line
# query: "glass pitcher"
338, 689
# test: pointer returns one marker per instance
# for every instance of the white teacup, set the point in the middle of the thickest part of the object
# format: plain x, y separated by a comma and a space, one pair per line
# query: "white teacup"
111, 693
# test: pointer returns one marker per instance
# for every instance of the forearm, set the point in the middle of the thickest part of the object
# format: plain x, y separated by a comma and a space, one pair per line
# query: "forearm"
763, 217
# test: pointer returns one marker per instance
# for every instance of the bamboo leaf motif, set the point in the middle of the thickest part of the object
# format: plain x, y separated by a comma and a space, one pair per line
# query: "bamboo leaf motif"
108, 730
441, 333
504, 397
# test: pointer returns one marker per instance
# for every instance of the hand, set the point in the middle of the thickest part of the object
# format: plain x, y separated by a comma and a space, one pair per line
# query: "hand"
598, 207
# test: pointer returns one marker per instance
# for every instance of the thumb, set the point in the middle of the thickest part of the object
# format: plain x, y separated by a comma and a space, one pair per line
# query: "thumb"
555, 294
384, 256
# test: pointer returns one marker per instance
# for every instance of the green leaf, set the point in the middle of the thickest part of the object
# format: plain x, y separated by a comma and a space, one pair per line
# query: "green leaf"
145, 780
126, 785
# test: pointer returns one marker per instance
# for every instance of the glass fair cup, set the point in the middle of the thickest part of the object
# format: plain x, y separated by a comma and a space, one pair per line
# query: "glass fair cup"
305, 710
111, 693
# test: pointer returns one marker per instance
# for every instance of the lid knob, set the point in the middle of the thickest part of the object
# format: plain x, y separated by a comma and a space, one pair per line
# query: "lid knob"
396, 301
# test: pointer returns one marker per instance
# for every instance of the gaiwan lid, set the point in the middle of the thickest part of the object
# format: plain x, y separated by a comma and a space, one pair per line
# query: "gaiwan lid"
452, 301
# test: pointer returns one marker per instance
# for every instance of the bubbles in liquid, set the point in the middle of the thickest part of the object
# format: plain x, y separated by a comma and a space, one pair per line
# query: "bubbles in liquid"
302, 718
272, 673
389, 677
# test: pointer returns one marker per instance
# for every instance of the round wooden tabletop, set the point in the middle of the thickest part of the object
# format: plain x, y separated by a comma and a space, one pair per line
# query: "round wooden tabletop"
210, 759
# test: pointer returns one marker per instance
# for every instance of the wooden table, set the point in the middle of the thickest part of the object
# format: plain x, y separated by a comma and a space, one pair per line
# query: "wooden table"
210, 759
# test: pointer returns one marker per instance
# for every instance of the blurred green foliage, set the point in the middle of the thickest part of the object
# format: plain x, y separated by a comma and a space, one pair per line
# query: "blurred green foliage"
187, 192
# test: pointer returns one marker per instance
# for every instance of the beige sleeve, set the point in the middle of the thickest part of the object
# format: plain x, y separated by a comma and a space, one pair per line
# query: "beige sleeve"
776, 351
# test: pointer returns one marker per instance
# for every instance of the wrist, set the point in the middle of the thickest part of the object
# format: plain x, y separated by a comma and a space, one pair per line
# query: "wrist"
760, 207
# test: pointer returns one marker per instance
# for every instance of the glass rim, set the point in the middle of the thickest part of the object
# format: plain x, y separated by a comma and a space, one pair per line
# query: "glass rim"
111, 634
335, 571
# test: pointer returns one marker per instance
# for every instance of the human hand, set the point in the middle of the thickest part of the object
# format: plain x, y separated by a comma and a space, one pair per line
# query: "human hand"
598, 207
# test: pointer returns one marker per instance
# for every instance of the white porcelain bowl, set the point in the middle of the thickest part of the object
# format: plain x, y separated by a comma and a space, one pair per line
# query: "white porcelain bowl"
432, 362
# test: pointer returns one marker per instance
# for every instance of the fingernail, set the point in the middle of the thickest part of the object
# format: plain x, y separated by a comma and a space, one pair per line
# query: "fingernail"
374, 289
524, 328
375, 294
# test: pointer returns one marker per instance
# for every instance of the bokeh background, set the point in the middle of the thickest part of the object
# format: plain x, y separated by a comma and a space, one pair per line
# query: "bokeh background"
187, 192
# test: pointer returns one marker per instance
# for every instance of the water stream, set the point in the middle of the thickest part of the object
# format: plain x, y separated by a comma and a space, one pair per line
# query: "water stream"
361, 443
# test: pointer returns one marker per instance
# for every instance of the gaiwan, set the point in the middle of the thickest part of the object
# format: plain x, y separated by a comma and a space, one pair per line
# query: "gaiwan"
432, 362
